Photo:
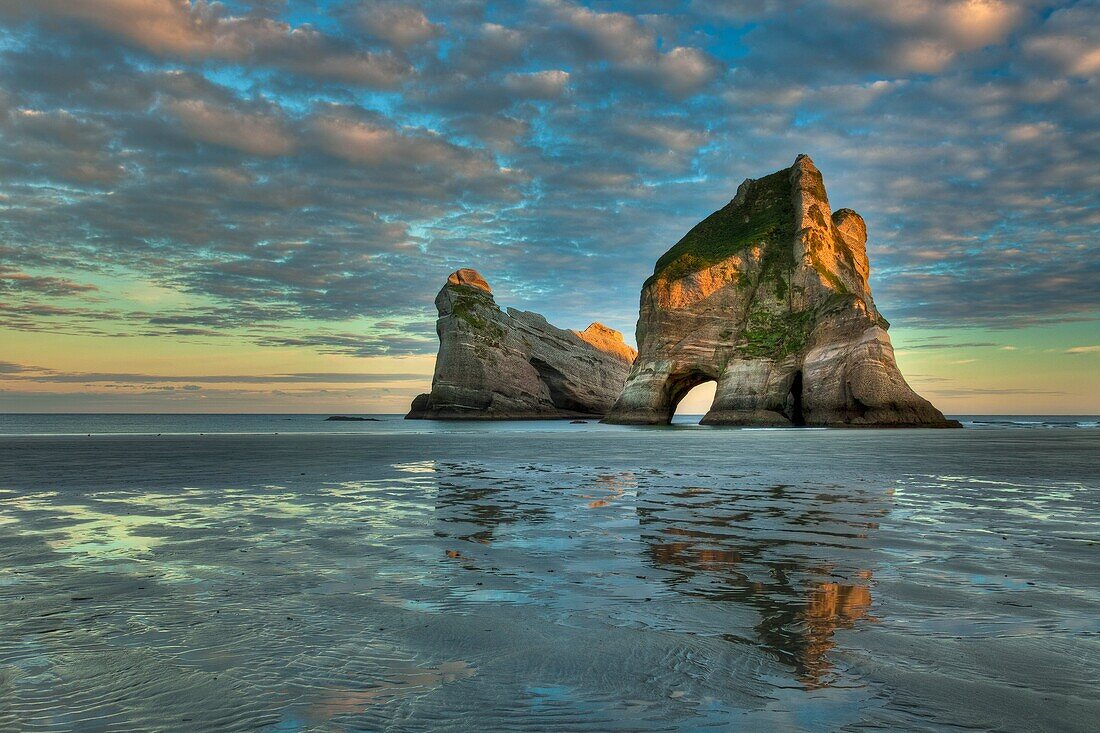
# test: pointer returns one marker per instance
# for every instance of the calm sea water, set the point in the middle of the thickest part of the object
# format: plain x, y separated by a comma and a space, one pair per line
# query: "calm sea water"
99, 424
283, 574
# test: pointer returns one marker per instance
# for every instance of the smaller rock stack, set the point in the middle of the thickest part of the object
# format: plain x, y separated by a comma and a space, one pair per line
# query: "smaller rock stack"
514, 365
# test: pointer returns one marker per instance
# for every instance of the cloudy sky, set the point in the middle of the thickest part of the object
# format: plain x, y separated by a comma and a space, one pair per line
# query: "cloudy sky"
249, 206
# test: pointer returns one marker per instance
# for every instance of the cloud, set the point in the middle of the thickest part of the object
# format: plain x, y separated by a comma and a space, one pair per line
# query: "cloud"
538, 84
12, 280
284, 177
969, 24
255, 133
931, 33
628, 45
355, 344
204, 30
1070, 40
192, 398
400, 26
373, 142
684, 70
363, 141
880, 38
951, 345
174, 26
60, 145
8, 367
983, 391
35, 374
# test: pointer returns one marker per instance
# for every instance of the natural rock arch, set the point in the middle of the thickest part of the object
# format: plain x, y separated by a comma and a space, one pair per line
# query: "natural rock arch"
769, 297
678, 385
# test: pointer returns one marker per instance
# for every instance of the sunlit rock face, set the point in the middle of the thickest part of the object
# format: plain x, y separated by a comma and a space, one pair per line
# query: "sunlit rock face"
769, 297
510, 365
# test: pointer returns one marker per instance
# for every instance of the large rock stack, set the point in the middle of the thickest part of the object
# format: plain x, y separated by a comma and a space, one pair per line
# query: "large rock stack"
769, 297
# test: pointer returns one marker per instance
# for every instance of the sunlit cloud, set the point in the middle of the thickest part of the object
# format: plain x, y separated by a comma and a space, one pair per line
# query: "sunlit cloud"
296, 178
205, 30
254, 133
396, 24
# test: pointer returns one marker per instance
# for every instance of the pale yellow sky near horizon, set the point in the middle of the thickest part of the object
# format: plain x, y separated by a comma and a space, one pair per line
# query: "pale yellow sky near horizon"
1022, 371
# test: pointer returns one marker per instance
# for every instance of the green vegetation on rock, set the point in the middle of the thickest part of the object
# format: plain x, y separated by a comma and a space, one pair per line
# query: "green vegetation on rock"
780, 285
775, 335
830, 277
815, 184
765, 217
466, 307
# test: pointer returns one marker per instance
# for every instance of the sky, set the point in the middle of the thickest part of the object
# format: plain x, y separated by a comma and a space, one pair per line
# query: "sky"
249, 206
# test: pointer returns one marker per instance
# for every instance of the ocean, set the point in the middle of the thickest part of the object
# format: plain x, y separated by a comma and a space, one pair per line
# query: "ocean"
283, 573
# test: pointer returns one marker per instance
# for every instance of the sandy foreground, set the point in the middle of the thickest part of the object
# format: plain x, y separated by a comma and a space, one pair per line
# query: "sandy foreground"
536, 578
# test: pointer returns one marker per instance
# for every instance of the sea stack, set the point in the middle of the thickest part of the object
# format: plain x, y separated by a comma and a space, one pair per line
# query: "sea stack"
514, 365
768, 297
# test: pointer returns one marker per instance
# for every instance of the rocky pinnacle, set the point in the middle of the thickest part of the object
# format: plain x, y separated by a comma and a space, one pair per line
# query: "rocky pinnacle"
498, 364
769, 298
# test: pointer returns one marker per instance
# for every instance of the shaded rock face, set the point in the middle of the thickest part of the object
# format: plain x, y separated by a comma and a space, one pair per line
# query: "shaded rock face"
769, 298
510, 365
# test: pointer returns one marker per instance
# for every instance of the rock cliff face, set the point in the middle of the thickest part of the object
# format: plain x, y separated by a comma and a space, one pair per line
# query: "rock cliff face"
768, 297
510, 365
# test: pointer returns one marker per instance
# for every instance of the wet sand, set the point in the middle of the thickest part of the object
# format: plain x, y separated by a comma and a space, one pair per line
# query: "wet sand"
534, 579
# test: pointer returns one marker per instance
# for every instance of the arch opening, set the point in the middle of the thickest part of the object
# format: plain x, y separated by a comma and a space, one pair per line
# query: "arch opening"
794, 401
690, 398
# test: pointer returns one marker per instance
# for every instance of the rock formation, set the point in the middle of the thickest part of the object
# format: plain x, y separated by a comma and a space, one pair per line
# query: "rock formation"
768, 297
501, 365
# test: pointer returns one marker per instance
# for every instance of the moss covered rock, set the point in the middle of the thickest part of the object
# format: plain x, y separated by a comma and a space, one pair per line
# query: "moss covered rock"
768, 296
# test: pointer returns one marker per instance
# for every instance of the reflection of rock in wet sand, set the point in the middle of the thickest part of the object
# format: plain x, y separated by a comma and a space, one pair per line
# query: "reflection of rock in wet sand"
678, 553
474, 504
710, 557
615, 485
398, 682
832, 606
494, 502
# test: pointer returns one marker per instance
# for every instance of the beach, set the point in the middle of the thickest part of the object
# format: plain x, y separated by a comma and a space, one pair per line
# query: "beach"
281, 573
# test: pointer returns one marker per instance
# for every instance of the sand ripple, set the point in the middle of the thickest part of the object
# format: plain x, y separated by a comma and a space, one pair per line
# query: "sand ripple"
625, 583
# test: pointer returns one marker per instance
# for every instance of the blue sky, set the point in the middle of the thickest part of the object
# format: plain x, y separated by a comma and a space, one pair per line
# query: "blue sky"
244, 191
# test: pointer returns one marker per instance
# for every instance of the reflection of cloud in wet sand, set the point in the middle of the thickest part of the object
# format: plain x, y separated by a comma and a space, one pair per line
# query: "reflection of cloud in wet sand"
399, 682
616, 486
